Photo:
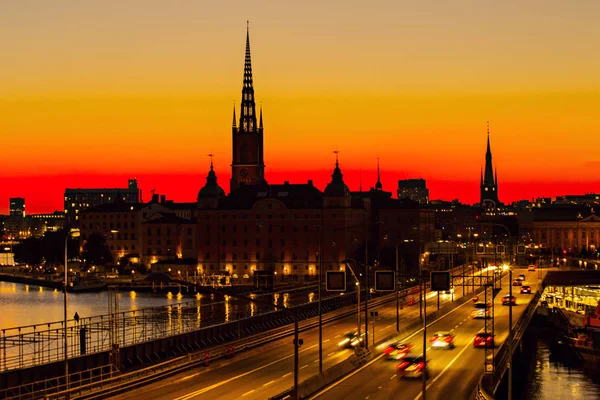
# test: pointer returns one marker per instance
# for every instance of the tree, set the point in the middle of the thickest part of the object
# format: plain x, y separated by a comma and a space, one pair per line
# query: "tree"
29, 251
95, 250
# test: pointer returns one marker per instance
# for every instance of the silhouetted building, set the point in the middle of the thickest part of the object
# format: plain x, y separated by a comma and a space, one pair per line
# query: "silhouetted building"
38, 224
248, 166
588, 198
77, 200
277, 228
414, 189
17, 207
489, 183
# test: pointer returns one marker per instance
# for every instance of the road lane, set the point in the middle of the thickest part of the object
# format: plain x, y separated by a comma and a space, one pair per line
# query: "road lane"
453, 373
265, 371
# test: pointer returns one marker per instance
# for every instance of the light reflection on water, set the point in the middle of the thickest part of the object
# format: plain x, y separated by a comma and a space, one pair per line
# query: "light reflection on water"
30, 304
554, 380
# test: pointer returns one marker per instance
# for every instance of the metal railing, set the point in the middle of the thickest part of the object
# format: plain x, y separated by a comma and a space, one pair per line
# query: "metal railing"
46, 387
117, 384
502, 355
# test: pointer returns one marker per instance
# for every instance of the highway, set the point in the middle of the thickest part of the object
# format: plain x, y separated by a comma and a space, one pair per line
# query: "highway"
268, 369
453, 373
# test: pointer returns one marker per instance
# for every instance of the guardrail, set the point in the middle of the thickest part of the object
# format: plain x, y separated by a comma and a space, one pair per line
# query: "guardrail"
117, 384
42, 389
90, 389
489, 385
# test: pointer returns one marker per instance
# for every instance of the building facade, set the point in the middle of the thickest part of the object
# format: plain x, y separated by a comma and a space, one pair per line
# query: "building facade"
413, 189
77, 200
17, 207
567, 228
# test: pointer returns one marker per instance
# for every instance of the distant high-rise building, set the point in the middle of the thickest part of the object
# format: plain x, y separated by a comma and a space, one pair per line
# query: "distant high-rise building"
414, 189
488, 182
17, 207
77, 200
247, 166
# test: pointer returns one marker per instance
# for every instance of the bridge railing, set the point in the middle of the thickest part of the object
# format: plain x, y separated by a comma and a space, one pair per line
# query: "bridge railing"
503, 355
33, 345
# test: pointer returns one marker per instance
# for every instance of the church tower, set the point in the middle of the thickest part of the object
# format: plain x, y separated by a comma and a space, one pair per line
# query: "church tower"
247, 165
488, 186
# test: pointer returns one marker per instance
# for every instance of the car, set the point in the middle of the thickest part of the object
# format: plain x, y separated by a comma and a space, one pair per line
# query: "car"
397, 351
509, 300
351, 340
442, 340
475, 298
525, 289
532, 267
481, 310
445, 293
521, 277
483, 339
413, 367
517, 282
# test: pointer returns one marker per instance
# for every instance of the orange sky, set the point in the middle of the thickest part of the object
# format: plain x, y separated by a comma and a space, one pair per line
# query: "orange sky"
145, 88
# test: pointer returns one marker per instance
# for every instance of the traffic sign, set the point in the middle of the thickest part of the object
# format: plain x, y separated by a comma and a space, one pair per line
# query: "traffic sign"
335, 281
385, 281
440, 281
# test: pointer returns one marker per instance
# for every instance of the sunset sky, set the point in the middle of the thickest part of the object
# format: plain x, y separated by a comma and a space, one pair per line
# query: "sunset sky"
95, 92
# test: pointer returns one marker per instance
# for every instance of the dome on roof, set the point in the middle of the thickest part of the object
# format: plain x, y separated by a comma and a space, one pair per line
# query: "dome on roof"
337, 187
211, 189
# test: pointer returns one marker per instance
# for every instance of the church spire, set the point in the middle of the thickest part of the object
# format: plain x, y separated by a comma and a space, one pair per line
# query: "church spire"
261, 122
248, 107
360, 180
233, 123
378, 185
488, 177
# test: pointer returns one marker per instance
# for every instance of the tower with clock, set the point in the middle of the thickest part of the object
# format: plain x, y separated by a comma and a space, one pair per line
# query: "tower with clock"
247, 165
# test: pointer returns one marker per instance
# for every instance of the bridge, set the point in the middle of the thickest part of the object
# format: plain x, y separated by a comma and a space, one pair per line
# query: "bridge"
261, 365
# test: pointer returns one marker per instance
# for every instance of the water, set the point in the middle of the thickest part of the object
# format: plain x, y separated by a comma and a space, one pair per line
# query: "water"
23, 305
553, 378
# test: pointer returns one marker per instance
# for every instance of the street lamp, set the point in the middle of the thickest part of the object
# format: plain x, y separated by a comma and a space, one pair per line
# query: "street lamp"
71, 233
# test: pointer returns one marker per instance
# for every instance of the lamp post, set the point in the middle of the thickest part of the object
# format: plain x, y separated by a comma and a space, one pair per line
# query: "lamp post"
70, 233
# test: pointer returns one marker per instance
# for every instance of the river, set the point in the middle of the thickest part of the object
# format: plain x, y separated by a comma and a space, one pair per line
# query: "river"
23, 305
554, 377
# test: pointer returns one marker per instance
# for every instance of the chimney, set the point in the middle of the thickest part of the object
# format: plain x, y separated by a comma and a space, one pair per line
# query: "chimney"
286, 183
154, 198
163, 198
310, 182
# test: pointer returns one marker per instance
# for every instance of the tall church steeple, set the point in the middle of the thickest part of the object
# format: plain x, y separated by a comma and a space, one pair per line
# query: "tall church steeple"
247, 165
378, 185
488, 183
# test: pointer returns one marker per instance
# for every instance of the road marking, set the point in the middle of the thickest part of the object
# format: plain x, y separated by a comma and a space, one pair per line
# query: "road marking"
326, 340
268, 383
330, 354
445, 368
379, 356
216, 385
185, 378
317, 360
336, 336
288, 374
393, 376
304, 366
247, 393
390, 325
